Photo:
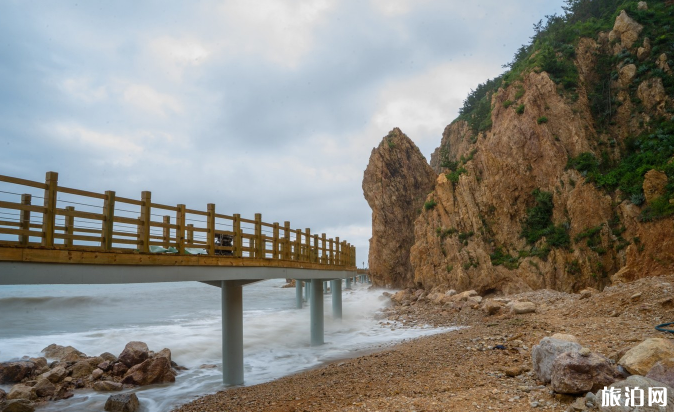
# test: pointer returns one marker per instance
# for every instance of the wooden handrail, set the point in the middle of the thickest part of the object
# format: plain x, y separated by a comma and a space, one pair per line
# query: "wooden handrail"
112, 227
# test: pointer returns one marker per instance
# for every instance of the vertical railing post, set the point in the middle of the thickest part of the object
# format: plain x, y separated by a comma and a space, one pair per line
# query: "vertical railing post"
337, 254
353, 255
49, 218
315, 255
108, 220
70, 222
324, 253
298, 245
166, 234
190, 234
211, 228
259, 242
307, 240
25, 219
331, 254
275, 241
238, 241
286, 240
180, 232
145, 218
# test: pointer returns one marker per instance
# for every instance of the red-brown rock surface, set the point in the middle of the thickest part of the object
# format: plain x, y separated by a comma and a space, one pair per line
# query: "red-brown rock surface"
395, 184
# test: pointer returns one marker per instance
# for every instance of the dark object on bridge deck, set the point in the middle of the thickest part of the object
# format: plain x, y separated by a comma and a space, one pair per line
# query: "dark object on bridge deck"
224, 240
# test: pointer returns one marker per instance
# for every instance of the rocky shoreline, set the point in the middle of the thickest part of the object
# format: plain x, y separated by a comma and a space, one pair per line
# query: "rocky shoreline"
64, 369
489, 365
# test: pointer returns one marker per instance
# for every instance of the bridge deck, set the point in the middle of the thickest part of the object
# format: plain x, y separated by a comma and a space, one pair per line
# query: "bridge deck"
112, 231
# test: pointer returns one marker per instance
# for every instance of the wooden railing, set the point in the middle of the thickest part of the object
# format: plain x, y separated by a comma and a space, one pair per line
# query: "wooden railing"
75, 219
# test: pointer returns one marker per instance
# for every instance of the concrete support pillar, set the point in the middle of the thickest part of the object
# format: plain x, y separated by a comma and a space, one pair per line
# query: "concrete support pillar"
325, 287
298, 293
348, 283
232, 332
316, 308
337, 298
307, 290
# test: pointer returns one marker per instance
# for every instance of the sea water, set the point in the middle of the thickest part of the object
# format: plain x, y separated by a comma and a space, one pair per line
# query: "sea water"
185, 317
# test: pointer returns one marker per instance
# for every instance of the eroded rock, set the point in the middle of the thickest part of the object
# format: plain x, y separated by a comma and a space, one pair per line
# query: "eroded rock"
543, 355
640, 359
576, 373
663, 371
12, 372
134, 353
156, 370
626, 30
395, 184
64, 353
107, 386
124, 402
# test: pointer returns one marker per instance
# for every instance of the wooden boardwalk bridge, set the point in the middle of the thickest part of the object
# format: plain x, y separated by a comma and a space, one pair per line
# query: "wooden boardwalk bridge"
52, 234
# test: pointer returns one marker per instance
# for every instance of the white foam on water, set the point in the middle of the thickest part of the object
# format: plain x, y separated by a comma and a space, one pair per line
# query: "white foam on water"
276, 339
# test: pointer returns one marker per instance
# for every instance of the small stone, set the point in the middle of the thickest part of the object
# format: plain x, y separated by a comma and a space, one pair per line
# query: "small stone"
520, 308
642, 5
584, 352
533, 404
81, 369
636, 296
96, 374
124, 402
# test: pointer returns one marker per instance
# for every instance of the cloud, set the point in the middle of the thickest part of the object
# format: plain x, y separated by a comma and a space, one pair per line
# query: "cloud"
151, 101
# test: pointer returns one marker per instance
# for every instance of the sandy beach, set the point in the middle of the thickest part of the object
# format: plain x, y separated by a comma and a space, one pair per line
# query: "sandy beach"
461, 370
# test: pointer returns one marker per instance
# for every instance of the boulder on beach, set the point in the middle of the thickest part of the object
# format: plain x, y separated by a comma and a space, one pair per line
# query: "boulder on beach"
44, 388
21, 391
19, 405
640, 359
156, 370
123, 402
543, 355
134, 353
55, 375
663, 371
64, 353
577, 372
12, 372
81, 369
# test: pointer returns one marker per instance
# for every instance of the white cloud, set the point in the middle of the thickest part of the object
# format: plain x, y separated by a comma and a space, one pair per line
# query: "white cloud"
280, 31
151, 101
81, 88
395, 7
174, 55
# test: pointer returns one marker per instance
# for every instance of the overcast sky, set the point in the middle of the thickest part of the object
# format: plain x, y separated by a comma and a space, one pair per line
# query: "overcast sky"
268, 106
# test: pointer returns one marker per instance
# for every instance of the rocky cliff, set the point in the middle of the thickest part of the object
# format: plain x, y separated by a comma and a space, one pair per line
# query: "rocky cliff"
396, 182
557, 178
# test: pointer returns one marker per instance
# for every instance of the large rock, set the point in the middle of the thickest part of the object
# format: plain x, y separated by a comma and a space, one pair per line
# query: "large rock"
635, 381
625, 29
119, 369
543, 355
655, 185
21, 391
55, 375
107, 386
134, 353
395, 184
82, 369
124, 402
520, 308
156, 370
12, 372
641, 358
44, 388
164, 353
18, 406
574, 373
64, 353
626, 74
663, 371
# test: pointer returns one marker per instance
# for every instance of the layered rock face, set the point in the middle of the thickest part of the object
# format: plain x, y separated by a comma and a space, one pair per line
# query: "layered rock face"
395, 185
487, 184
